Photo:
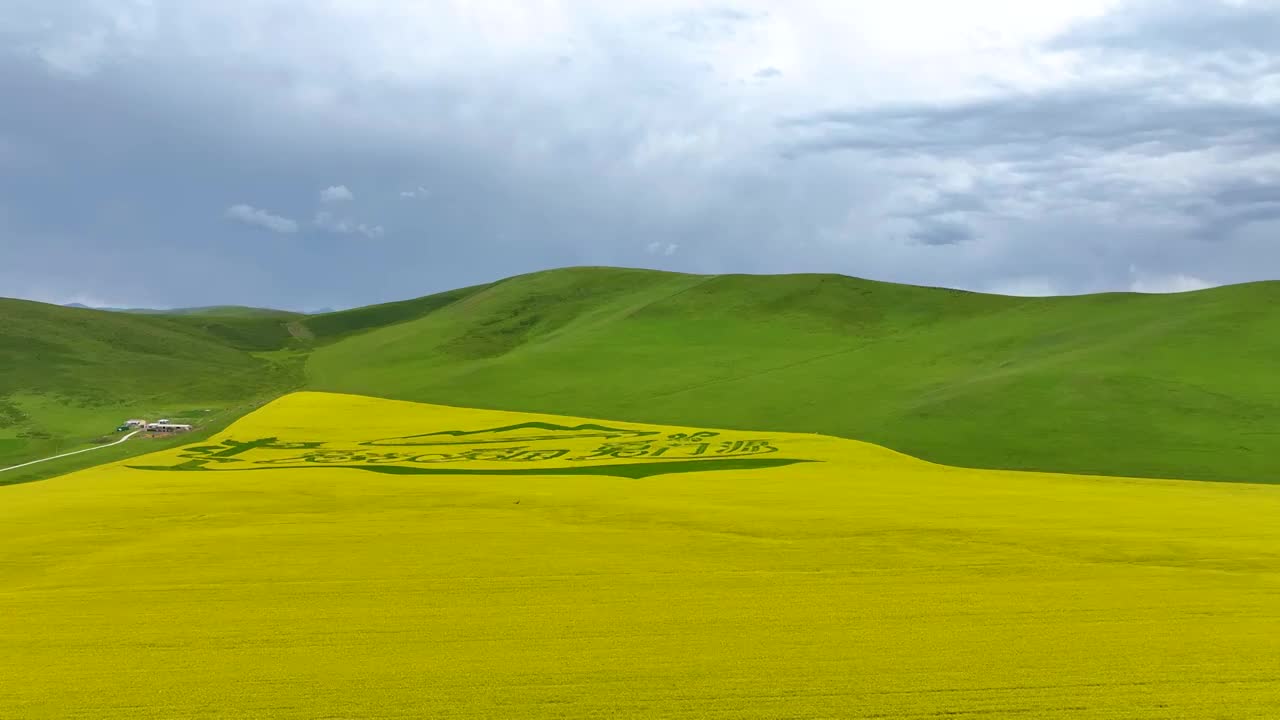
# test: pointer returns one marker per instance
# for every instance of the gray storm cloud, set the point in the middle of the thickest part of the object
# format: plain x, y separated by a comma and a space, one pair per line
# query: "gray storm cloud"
149, 148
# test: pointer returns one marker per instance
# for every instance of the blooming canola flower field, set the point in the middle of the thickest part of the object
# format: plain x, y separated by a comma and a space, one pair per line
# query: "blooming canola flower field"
343, 556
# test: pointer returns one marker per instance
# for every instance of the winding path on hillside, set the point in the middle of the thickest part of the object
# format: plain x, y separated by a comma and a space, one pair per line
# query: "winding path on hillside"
74, 452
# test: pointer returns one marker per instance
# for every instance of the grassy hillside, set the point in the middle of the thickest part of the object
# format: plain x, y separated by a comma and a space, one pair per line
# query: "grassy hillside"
351, 567
68, 376
329, 327
1148, 385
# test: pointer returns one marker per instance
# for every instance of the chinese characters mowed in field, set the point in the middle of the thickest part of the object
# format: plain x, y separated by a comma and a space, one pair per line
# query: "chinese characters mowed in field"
525, 449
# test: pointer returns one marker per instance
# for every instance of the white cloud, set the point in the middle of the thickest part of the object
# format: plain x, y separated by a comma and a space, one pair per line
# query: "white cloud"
418, 192
250, 215
327, 222
661, 248
336, 193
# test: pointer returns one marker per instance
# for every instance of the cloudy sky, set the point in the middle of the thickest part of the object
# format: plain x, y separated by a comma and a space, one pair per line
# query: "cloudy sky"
341, 152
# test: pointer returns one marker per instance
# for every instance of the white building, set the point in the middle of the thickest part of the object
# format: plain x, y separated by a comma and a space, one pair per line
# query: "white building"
135, 423
159, 427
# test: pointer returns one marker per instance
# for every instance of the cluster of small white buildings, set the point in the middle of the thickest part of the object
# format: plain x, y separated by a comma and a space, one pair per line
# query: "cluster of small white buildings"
159, 426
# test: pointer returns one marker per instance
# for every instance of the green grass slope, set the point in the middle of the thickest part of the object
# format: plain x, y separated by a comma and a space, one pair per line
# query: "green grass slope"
328, 327
68, 376
1122, 384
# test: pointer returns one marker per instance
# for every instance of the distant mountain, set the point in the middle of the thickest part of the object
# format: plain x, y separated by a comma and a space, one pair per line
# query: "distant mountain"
226, 311
82, 306
215, 310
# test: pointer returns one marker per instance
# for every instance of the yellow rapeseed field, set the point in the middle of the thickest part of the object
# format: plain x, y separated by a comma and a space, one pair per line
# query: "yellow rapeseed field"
334, 556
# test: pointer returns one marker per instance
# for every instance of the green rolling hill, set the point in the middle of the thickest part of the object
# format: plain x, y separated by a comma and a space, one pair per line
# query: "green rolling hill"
1123, 384
69, 375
